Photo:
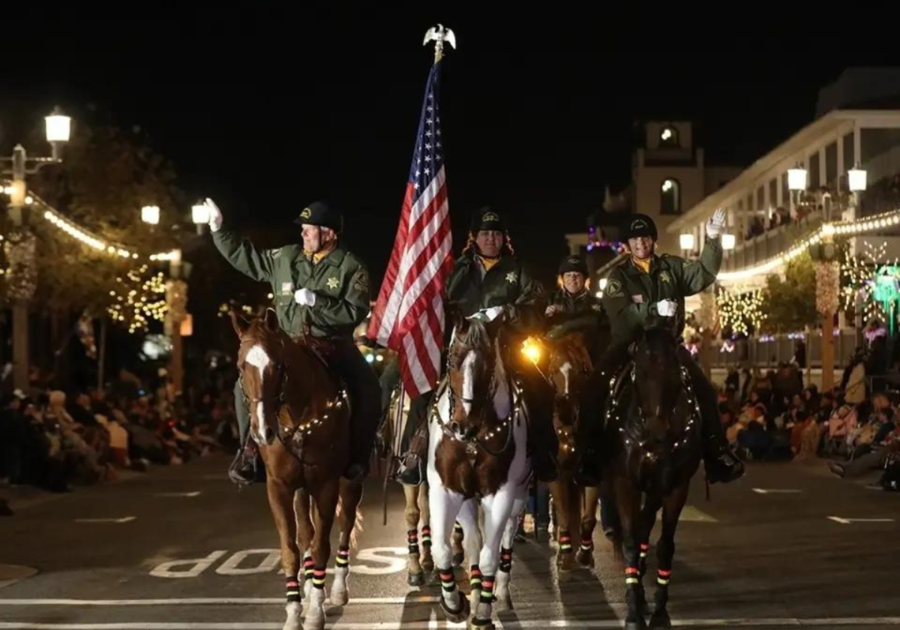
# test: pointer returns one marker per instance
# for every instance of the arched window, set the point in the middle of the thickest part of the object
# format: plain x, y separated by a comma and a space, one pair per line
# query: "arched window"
670, 197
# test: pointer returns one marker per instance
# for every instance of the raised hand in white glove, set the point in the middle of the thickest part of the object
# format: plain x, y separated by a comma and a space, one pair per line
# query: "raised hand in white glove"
667, 308
215, 215
305, 297
716, 225
488, 314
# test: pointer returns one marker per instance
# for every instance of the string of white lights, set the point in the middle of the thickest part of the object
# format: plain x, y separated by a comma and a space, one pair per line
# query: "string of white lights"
843, 228
85, 236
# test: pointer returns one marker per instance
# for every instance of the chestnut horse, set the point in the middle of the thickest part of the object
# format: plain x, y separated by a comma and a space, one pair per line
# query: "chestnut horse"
477, 459
568, 368
299, 418
419, 561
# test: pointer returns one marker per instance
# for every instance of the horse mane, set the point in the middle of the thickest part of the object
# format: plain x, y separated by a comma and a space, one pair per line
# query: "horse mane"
477, 337
659, 338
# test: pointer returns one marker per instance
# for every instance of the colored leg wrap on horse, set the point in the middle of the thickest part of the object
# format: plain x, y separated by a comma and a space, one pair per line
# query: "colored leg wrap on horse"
319, 578
426, 537
663, 577
308, 567
448, 583
632, 575
475, 577
412, 540
487, 589
645, 548
343, 557
505, 559
587, 544
565, 542
292, 589
457, 529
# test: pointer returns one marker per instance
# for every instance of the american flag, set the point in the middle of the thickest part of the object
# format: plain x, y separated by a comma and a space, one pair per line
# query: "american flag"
409, 313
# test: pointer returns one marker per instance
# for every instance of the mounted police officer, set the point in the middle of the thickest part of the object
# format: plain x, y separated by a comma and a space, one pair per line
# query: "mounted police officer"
645, 285
327, 287
489, 282
573, 308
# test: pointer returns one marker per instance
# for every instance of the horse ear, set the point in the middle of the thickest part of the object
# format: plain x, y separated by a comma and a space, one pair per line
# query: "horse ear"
238, 322
456, 317
271, 320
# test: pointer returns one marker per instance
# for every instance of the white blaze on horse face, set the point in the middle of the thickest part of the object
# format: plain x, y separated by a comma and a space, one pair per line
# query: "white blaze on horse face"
258, 358
566, 369
468, 384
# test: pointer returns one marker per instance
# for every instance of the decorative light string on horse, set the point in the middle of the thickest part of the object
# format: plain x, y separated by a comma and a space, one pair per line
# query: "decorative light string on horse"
654, 440
300, 421
477, 459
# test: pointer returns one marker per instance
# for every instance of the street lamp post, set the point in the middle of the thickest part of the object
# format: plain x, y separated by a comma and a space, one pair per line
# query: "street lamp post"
22, 241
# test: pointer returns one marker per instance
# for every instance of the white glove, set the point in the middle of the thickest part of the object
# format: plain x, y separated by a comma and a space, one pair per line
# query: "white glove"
305, 297
667, 308
716, 225
215, 215
488, 314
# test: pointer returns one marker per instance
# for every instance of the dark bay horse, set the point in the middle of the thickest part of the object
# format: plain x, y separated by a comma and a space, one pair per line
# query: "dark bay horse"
653, 427
299, 417
568, 368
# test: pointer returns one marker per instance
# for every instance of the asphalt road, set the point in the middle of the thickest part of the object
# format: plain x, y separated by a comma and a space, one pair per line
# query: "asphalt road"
180, 548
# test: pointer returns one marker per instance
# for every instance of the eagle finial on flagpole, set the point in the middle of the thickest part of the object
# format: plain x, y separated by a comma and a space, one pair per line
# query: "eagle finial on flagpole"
438, 34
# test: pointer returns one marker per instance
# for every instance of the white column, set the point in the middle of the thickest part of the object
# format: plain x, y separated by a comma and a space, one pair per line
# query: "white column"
822, 170
779, 189
840, 163
857, 143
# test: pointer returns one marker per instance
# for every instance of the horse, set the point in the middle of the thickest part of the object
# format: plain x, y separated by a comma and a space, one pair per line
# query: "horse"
477, 459
568, 368
653, 427
299, 418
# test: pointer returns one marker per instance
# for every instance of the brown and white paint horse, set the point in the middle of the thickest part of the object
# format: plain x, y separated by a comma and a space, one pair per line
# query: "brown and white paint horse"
568, 368
299, 418
477, 459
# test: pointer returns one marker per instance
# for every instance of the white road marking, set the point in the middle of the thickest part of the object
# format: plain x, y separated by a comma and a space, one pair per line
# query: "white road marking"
190, 495
776, 491
535, 624
126, 519
203, 601
848, 521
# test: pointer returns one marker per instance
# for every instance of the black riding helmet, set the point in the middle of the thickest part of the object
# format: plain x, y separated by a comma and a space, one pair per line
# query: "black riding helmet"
640, 225
321, 214
573, 263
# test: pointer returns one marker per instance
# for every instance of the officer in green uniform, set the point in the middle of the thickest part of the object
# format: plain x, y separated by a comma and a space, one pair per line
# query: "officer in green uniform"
573, 308
488, 281
324, 285
645, 285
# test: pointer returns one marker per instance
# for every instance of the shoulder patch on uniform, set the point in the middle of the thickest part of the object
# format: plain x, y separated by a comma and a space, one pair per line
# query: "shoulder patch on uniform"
361, 280
613, 288
275, 253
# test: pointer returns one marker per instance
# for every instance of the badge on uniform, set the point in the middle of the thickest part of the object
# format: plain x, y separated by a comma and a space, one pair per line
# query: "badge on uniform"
665, 277
287, 288
333, 283
511, 277
637, 299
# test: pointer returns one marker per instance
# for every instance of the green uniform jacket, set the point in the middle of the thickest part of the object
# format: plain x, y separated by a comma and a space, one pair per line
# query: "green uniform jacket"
340, 282
506, 284
580, 313
631, 295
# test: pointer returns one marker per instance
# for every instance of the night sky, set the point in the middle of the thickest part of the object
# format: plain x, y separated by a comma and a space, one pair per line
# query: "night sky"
267, 109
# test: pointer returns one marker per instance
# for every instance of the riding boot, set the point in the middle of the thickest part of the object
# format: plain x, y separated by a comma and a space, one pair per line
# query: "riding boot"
544, 443
243, 469
412, 465
364, 392
722, 466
